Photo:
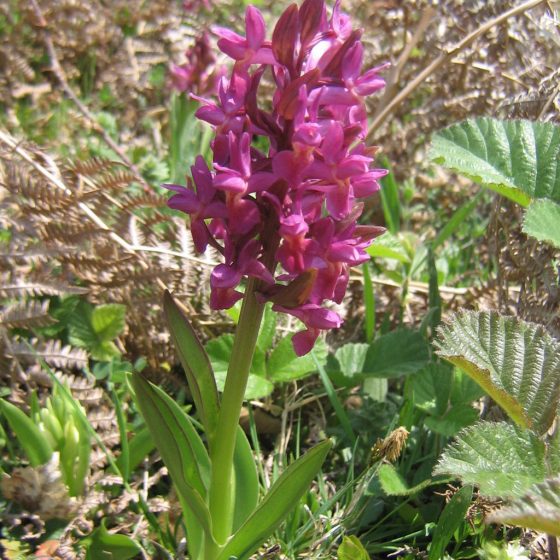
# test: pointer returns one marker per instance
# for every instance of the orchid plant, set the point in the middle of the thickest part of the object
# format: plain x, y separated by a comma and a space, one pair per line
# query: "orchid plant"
286, 223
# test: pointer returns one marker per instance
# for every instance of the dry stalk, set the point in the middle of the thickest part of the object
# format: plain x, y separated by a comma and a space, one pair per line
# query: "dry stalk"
443, 59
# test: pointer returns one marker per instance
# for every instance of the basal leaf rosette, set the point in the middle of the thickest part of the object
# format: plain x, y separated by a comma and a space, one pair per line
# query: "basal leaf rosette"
287, 215
515, 362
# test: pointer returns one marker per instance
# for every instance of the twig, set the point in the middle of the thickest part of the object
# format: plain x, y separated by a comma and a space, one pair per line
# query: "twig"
393, 79
58, 72
443, 59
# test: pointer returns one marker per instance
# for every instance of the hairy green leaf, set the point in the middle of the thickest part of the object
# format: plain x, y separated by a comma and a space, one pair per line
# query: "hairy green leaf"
282, 497
518, 159
195, 362
516, 363
501, 459
538, 509
542, 221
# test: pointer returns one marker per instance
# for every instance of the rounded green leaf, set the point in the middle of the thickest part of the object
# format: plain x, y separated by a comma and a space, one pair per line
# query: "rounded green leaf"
542, 221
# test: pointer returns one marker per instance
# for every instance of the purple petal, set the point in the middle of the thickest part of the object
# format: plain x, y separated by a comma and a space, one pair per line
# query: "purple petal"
304, 341
255, 28
224, 276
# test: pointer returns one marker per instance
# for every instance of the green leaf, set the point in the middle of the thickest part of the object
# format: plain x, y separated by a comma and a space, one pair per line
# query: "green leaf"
282, 497
351, 549
517, 159
103, 545
542, 221
390, 199
451, 518
284, 365
139, 447
501, 459
246, 480
452, 420
397, 353
33, 441
108, 321
516, 363
431, 388
179, 445
347, 364
538, 509
393, 483
267, 330
456, 221
389, 246
95, 328
196, 364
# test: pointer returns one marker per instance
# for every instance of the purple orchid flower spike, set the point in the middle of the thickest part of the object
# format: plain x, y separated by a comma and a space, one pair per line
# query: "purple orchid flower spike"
288, 218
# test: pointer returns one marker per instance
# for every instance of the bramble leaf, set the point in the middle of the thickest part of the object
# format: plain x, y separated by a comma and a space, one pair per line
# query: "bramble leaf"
516, 158
516, 363
538, 509
501, 459
542, 221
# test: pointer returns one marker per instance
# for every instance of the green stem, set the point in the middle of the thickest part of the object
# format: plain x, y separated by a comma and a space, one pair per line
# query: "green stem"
221, 486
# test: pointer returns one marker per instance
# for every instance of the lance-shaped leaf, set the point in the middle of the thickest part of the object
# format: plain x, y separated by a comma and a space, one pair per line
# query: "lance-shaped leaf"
542, 221
518, 159
30, 437
246, 480
179, 445
282, 497
539, 509
501, 459
516, 363
196, 364
449, 521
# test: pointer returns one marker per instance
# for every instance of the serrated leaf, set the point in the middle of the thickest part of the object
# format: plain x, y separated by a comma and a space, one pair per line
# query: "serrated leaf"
451, 518
516, 363
401, 352
501, 459
518, 159
33, 441
196, 364
538, 509
281, 498
542, 221
351, 549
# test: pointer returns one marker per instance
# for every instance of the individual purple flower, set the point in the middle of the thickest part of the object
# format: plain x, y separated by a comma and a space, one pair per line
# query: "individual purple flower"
289, 217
